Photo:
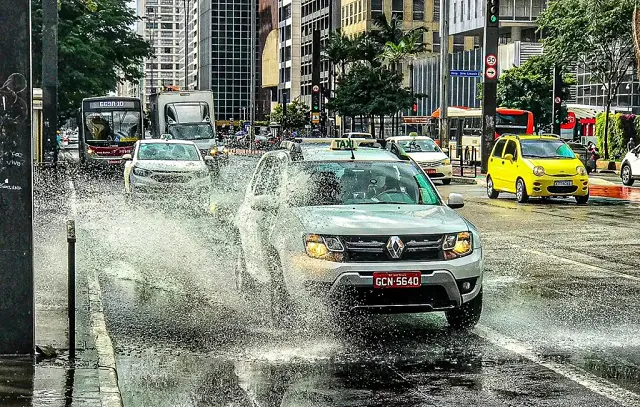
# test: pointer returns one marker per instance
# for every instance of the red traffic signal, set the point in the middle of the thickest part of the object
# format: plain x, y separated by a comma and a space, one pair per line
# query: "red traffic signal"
415, 107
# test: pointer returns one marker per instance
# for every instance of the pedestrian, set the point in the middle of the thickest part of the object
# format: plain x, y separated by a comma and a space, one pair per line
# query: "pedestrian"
631, 144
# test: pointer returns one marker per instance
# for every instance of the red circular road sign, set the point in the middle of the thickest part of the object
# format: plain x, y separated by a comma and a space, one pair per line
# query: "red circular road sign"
491, 73
491, 60
316, 88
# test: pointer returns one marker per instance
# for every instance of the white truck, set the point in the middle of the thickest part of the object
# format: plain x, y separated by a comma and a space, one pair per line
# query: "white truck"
185, 115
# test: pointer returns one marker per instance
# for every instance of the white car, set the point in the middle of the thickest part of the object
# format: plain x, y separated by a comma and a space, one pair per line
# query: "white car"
356, 134
424, 151
160, 166
630, 169
360, 228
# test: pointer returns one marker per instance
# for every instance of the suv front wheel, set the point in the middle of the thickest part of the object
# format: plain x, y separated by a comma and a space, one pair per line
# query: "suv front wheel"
468, 315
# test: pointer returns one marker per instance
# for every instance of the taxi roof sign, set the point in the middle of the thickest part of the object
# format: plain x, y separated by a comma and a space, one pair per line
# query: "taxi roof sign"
344, 144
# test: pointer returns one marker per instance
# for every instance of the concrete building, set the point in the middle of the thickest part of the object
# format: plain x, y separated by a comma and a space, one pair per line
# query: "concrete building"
224, 52
161, 26
289, 51
268, 57
517, 19
192, 44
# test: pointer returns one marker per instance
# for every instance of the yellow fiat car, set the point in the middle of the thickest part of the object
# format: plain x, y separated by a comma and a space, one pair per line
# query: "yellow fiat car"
536, 166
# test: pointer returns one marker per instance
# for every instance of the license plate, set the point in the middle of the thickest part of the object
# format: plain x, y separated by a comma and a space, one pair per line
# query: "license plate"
430, 171
114, 161
563, 183
409, 279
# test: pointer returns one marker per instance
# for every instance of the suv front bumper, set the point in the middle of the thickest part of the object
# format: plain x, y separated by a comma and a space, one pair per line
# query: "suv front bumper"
352, 283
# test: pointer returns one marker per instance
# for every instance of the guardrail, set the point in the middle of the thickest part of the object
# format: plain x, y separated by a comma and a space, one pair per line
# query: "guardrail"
467, 163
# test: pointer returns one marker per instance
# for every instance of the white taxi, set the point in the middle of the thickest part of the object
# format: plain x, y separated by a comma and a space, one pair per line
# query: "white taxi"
158, 166
424, 151
359, 228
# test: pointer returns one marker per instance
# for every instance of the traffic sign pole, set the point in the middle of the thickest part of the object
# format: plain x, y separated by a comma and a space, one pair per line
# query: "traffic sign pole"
557, 100
490, 81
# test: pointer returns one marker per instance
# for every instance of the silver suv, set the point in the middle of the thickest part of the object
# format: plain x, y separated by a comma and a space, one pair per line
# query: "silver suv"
360, 227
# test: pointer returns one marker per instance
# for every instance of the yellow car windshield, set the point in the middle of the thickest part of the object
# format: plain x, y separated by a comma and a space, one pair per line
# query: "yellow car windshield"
541, 148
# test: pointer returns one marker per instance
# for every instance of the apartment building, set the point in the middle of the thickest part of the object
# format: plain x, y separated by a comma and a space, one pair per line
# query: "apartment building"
161, 26
289, 49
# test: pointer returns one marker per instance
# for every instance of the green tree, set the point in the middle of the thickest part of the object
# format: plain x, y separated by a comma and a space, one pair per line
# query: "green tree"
597, 36
530, 87
297, 115
96, 49
339, 50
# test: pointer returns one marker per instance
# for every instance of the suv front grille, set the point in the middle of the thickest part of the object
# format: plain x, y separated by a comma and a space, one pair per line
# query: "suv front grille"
374, 248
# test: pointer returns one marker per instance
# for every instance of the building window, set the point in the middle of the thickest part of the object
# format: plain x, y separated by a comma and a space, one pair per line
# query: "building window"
376, 8
166, 26
166, 66
462, 10
167, 50
455, 12
418, 10
397, 9
436, 10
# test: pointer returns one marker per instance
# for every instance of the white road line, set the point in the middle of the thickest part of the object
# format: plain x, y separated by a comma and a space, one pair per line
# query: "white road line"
583, 265
107, 375
591, 382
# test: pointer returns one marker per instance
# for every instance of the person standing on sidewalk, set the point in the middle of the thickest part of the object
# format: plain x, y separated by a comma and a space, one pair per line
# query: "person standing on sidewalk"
631, 144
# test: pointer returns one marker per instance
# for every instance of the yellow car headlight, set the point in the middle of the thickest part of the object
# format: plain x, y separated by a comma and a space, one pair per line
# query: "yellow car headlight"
457, 245
538, 171
581, 170
446, 162
324, 247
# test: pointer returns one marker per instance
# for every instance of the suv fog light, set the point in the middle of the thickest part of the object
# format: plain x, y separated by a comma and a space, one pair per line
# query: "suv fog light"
466, 286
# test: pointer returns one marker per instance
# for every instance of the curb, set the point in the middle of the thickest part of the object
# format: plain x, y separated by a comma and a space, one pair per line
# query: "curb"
469, 181
108, 375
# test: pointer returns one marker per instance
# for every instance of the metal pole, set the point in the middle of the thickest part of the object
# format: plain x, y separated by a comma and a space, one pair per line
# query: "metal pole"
444, 73
71, 286
252, 82
490, 81
50, 79
186, 46
16, 186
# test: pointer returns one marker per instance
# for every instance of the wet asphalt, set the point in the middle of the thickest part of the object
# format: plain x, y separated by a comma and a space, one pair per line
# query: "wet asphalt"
560, 324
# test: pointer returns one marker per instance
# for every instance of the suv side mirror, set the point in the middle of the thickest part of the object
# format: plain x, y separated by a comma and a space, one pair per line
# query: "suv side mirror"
456, 201
264, 203
127, 157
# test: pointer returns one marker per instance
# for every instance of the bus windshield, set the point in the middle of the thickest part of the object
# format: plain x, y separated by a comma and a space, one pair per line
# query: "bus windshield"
512, 120
119, 126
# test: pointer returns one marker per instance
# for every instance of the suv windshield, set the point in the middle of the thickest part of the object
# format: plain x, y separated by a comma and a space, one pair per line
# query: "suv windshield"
344, 183
543, 148
419, 146
168, 152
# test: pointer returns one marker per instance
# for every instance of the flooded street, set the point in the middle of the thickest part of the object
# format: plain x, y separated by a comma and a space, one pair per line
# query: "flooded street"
559, 325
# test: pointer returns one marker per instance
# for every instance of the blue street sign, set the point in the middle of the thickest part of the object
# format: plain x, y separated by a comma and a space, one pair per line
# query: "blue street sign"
464, 73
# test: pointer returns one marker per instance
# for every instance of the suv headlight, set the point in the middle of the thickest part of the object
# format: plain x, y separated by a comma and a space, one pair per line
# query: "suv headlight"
538, 171
581, 170
458, 245
141, 172
324, 247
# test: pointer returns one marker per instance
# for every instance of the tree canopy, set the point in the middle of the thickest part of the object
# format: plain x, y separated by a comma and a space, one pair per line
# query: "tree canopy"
97, 48
530, 87
297, 115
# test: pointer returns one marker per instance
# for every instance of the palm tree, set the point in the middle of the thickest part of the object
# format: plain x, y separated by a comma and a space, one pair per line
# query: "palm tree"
388, 31
339, 50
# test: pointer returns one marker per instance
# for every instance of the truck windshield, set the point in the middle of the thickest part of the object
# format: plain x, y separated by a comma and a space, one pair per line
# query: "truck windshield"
198, 131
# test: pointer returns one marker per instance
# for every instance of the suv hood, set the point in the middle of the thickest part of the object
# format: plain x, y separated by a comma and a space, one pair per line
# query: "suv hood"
428, 157
171, 166
383, 219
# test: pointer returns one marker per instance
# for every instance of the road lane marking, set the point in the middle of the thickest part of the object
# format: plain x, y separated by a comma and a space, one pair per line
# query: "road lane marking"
110, 395
580, 264
587, 380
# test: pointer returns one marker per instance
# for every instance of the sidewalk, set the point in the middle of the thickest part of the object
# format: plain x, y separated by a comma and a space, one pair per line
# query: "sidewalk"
55, 381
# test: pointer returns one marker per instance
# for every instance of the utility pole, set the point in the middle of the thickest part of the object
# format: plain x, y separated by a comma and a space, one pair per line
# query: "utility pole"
490, 84
50, 79
16, 183
254, 40
444, 73
316, 92
186, 46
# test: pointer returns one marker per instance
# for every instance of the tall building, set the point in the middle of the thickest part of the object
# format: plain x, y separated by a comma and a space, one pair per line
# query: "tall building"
192, 44
268, 57
224, 36
161, 26
289, 50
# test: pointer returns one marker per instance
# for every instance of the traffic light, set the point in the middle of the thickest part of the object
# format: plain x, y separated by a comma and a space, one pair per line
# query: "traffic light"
415, 107
315, 99
493, 14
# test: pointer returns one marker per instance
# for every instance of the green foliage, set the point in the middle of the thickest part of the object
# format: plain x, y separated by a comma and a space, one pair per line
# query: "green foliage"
96, 49
597, 36
530, 87
297, 115
621, 128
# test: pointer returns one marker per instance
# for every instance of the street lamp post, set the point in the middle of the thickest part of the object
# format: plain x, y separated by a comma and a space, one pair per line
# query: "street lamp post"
186, 45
